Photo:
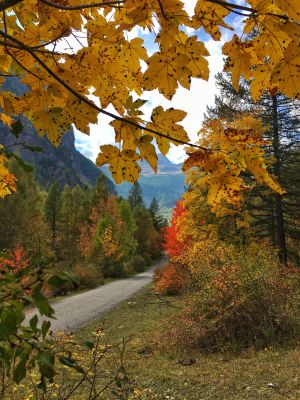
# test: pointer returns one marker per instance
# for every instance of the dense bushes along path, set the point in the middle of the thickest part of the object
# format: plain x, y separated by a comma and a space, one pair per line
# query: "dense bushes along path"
76, 311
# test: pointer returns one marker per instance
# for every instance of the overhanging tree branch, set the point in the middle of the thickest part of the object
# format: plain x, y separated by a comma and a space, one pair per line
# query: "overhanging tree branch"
89, 102
83, 6
233, 6
5, 4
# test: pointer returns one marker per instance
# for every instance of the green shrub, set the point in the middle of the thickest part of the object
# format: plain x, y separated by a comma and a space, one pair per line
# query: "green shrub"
147, 258
112, 269
139, 263
250, 301
90, 276
135, 264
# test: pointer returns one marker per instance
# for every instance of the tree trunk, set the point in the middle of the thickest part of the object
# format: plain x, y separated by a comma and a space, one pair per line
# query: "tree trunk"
279, 219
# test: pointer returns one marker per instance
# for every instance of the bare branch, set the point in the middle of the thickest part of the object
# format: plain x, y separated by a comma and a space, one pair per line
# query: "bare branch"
233, 6
34, 49
162, 9
83, 6
5, 4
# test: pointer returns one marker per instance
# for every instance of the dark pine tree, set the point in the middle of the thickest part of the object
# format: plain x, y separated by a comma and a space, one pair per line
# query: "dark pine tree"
158, 221
135, 196
52, 207
273, 216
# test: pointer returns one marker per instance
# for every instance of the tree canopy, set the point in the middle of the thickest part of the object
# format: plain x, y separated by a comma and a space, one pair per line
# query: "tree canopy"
112, 63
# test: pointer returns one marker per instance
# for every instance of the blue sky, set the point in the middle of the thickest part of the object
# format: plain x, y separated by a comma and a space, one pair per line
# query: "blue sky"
194, 102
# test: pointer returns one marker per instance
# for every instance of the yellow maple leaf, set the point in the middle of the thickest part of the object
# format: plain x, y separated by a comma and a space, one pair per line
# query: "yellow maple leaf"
81, 114
285, 74
7, 180
6, 119
126, 133
132, 52
197, 158
290, 8
261, 77
196, 51
147, 151
122, 164
54, 123
256, 165
210, 16
241, 57
165, 69
166, 122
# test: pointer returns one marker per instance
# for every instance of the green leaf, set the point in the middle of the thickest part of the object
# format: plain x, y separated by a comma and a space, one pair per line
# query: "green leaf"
45, 328
17, 128
46, 361
68, 276
22, 164
90, 345
118, 382
56, 281
61, 278
71, 363
8, 323
34, 149
20, 370
41, 303
33, 323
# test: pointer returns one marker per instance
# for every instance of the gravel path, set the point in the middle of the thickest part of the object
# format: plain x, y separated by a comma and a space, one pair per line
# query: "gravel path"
78, 310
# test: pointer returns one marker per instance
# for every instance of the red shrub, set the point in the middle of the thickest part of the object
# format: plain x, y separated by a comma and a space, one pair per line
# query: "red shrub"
14, 261
169, 279
172, 246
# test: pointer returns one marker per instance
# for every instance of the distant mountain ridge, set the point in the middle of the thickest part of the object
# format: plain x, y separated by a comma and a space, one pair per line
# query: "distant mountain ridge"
167, 186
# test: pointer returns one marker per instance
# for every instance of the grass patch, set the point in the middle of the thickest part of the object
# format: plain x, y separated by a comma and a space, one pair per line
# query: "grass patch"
269, 374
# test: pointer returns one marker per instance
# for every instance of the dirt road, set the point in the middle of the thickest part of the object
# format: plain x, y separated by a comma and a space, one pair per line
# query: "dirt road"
78, 310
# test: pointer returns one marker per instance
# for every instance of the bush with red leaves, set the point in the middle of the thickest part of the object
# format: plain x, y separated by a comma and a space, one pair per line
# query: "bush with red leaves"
170, 279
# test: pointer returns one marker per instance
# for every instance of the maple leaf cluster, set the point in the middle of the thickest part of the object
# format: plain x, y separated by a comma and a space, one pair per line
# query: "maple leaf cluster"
113, 64
7, 180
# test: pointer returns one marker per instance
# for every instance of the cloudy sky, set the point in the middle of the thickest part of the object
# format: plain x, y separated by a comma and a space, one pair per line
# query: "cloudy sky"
194, 101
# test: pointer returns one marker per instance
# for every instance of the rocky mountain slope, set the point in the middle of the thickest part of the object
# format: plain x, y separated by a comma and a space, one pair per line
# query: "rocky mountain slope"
63, 164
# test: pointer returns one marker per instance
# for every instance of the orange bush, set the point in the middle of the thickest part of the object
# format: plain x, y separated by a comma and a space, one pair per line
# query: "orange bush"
14, 261
172, 245
170, 279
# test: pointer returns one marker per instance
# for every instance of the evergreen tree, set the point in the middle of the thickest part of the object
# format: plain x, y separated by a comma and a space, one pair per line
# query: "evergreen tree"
22, 221
157, 219
127, 241
273, 216
149, 242
101, 190
52, 208
135, 196
74, 205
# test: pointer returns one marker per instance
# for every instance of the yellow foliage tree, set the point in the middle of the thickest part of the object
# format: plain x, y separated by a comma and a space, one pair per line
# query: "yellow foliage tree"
113, 64
231, 149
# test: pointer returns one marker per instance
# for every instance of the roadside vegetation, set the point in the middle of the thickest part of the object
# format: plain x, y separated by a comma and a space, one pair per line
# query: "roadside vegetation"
137, 362
90, 233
